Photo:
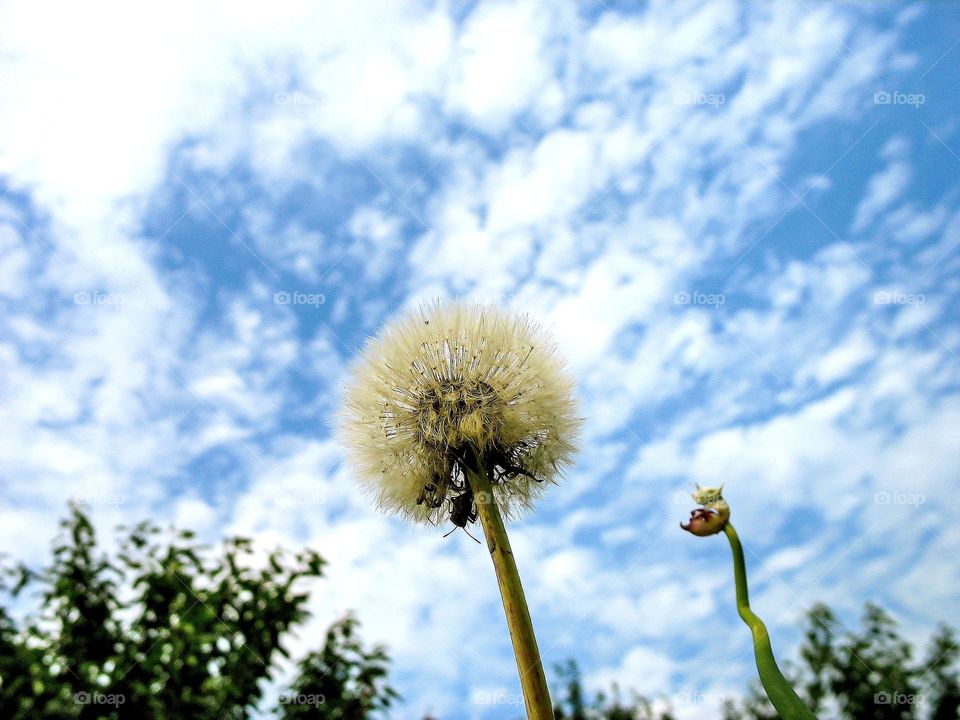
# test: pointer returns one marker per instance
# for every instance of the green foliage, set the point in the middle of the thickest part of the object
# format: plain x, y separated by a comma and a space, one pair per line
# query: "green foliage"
571, 705
941, 680
165, 628
863, 675
343, 670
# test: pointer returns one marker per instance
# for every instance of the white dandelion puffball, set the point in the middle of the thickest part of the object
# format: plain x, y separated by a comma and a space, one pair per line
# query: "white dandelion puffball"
449, 386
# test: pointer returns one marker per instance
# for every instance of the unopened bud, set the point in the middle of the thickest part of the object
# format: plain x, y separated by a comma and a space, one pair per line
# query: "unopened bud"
712, 517
705, 522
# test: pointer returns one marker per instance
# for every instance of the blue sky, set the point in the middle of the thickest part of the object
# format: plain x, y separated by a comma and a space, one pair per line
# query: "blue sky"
739, 220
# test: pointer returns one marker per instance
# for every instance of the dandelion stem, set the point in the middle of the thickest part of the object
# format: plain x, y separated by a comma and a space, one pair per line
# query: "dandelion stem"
784, 698
536, 695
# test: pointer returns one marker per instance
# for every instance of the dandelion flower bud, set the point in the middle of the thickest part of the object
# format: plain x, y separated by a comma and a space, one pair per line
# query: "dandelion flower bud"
712, 517
704, 522
451, 386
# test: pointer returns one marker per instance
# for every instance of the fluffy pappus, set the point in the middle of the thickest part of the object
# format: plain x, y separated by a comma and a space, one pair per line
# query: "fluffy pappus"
450, 383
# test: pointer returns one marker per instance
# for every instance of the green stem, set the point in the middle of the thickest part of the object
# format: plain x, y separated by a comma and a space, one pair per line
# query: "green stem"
536, 695
784, 698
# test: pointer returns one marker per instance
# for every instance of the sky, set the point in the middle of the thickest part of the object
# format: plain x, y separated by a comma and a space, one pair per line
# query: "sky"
739, 220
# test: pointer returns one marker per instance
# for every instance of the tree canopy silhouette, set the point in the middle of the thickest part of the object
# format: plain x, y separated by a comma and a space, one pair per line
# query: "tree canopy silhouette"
164, 627
167, 628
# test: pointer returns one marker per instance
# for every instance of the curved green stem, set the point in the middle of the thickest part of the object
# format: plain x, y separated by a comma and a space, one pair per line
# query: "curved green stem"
536, 695
784, 698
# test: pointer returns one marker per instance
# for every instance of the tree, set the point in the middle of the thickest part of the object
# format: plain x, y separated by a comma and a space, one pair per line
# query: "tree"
571, 704
869, 674
342, 670
940, 681
166, 628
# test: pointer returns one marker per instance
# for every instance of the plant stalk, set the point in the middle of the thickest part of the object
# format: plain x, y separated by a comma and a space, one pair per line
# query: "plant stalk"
784, 698
536, 695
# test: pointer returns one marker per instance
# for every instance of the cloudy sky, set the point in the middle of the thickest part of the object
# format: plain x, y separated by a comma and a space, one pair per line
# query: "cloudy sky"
740, 221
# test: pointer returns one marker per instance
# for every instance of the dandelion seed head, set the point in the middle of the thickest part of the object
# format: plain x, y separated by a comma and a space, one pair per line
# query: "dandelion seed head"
448, 380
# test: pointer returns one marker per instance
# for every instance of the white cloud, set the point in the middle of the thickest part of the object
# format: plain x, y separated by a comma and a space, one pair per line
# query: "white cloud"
584, 193
503, 65
642, 668
883, 189
843, 359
